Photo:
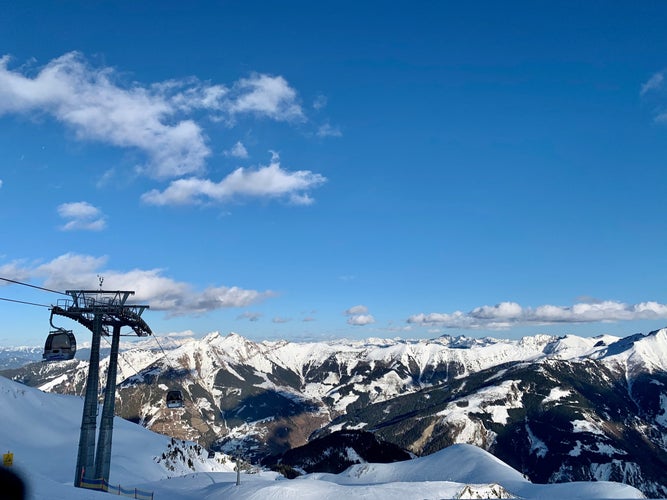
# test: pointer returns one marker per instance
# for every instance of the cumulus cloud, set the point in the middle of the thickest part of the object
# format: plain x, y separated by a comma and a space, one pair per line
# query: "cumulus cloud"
238, 150
81, 215
508, 314
361, 319
97, 104
358, 316
279, 319
96, 107
265, 95
79, 272
265, 181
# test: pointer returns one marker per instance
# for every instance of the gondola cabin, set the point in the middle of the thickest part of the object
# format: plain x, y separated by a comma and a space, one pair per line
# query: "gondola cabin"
60, 345
174, 399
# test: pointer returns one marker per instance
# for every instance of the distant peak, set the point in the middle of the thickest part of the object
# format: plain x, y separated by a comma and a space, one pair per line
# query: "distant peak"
655, 333
210, 337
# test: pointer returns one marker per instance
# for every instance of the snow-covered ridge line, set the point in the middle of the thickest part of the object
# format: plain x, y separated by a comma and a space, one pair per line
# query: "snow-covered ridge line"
650, 350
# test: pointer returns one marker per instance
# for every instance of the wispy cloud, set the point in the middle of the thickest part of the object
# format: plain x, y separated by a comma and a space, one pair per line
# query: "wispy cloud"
15, 270
654, 87
250, 316
75, 271
81, 215
358, 316
509, 314
320, 102
327, 130
654, 83
266, 181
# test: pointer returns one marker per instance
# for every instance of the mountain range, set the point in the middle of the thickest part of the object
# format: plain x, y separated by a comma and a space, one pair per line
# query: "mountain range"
557, 409
40, 430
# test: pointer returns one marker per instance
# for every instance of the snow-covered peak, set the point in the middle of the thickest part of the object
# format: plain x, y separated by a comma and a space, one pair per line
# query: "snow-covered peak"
641, 352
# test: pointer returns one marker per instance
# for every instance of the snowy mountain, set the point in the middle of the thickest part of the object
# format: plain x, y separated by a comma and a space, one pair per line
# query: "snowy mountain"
41, 430
14, 357
555, 408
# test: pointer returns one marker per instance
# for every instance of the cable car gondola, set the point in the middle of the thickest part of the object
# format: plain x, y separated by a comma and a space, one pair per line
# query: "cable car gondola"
60, 345
174, 399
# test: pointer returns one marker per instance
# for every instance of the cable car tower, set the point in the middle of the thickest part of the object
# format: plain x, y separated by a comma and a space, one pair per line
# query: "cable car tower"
103, 313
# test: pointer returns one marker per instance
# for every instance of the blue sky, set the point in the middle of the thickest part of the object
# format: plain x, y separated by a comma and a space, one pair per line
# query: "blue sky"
310, 170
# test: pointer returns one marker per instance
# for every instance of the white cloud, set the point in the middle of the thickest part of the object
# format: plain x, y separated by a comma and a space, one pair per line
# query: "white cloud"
279, 319
265, 95
99, 105
508, 314
360, 309
81, 215
79, 272
358, 316
361, 319
655, 82
237, 151
97, 108
266, 181
14, 271
504, 310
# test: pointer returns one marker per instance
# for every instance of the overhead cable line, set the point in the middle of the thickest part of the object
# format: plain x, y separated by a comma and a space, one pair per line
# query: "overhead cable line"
160, 346
201, 381
32, 286
123, 358
24, 302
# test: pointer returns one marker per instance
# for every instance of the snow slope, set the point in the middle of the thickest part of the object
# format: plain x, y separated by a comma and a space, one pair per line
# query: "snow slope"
42, 431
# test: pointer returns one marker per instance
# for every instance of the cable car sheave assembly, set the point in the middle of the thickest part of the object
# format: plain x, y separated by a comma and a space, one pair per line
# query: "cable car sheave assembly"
103, 313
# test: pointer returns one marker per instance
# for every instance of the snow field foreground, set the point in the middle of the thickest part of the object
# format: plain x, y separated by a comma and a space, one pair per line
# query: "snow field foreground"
42, 431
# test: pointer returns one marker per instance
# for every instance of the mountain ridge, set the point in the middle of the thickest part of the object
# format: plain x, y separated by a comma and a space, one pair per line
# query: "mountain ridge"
271, 396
